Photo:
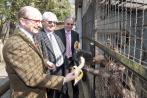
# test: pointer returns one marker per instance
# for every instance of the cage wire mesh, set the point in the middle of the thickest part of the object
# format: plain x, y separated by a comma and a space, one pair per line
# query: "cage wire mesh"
120, 27
123, 26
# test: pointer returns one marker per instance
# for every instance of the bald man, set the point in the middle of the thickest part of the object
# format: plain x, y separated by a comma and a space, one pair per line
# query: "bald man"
24, 62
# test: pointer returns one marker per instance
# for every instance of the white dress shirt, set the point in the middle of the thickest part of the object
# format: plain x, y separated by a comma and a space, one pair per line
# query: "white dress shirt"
56, 49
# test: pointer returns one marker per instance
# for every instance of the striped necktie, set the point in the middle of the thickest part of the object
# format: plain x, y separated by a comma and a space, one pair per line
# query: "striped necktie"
56, 50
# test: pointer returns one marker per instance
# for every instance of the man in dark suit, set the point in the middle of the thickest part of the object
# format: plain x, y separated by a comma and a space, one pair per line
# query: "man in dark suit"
69, 38
51, 44
24, 62
52, 48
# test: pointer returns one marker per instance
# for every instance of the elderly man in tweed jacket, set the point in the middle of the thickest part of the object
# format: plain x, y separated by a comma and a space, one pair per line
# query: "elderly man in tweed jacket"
24, 62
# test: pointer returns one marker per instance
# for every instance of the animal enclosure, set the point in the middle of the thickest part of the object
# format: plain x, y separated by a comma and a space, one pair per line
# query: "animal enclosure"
119, 29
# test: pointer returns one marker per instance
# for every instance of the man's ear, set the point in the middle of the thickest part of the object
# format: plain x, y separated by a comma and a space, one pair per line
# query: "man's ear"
21, 21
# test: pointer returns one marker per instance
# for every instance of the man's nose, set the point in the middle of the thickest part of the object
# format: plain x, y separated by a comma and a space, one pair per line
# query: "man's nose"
39, 24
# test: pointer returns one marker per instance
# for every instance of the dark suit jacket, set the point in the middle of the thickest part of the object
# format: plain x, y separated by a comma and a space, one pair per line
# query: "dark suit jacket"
46, 46
25, 68
74, 37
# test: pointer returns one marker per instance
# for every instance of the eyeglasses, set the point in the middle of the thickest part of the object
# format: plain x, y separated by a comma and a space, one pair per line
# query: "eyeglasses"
50, 22
70, 24
32, 20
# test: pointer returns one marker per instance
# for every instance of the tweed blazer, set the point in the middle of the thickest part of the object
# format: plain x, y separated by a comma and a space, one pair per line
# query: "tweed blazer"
47, 48
74, 37
25, 68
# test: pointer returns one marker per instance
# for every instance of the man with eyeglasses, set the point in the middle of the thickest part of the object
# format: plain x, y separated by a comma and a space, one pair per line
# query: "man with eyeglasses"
52, 49
24, 62
69, 37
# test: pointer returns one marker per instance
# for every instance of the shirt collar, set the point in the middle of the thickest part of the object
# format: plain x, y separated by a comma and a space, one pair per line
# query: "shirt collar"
67, 32
48, 33
29, 35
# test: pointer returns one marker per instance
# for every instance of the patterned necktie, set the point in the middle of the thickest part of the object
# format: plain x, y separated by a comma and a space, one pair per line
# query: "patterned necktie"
56, 50
68, 45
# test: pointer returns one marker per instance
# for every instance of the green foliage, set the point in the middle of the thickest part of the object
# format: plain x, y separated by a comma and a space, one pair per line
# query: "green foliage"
59, 7
9, 8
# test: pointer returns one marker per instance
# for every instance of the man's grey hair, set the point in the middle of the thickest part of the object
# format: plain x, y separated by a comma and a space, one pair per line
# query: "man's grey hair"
50, 16
68, 17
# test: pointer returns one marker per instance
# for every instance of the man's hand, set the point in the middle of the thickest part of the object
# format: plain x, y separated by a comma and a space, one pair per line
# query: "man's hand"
69, 77
76, 74
50, 65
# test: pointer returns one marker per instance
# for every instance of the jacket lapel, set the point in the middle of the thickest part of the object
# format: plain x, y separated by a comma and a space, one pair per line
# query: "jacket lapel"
72, 39
28, 41
63, 38
47, 42
61, 46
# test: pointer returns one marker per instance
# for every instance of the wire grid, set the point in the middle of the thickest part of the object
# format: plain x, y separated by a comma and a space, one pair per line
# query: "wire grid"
121, 26
125, 85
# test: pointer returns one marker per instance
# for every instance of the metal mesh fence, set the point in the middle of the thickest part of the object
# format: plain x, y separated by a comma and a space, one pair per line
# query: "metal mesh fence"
119, 28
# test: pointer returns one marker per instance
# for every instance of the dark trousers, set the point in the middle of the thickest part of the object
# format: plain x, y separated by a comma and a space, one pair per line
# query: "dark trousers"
75, 90
56, 94
68, 66
51, 93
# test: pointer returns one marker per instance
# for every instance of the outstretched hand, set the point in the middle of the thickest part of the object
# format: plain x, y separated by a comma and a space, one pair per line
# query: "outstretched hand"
69, 77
